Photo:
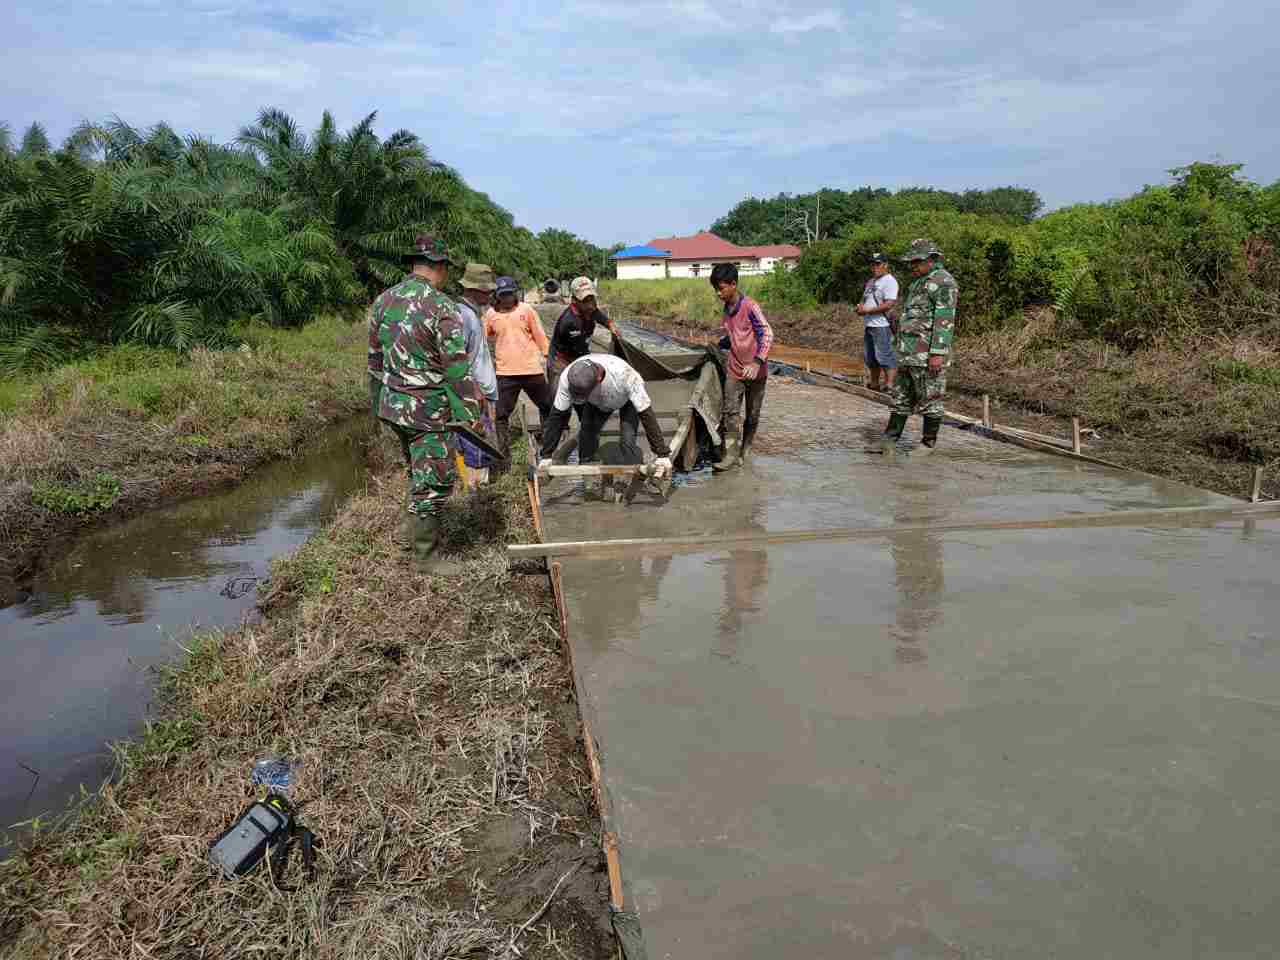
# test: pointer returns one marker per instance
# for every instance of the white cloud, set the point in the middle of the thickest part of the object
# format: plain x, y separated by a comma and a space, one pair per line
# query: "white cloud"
685, 91
820, 20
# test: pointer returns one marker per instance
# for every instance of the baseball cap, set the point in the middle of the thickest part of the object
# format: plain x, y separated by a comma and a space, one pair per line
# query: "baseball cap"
582, 288
507, 285
878, 258
583, 377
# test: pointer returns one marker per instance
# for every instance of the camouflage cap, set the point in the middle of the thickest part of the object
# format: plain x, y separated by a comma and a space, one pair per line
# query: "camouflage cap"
921, 249
478, 276
582, 287
427, 246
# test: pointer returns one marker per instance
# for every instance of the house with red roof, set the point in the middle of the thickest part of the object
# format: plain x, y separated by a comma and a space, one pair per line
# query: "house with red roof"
695, 256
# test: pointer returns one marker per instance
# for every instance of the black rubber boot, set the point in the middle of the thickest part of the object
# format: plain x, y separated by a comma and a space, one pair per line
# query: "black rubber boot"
893, 431
503, 443
929, 437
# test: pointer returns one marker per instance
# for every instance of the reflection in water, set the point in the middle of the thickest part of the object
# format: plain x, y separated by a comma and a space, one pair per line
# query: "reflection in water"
76, 652
746, 574
605, 622
917, 570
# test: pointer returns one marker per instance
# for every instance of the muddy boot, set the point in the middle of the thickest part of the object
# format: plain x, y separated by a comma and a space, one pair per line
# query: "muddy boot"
732, 455
408, 530
503, 443
893, 432
426, 547
929, 437
748, 438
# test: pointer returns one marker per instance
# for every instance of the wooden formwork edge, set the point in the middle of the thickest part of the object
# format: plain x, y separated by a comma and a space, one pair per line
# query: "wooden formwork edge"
1014, 435
608, 839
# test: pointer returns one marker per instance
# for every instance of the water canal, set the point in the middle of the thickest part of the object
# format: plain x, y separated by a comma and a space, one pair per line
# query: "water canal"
80, 647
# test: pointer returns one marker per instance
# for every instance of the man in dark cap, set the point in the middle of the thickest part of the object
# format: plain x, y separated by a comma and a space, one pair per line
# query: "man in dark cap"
426, 383
879, 301
603, 384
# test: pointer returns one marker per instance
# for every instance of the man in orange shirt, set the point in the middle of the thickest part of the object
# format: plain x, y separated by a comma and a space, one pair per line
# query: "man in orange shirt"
520, 355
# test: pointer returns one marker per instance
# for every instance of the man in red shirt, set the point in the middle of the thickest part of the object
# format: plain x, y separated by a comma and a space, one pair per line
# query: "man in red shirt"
747, 339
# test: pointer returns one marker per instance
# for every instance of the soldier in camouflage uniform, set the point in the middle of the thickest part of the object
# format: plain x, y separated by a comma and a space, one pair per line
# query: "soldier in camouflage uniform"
426, 383
923, 345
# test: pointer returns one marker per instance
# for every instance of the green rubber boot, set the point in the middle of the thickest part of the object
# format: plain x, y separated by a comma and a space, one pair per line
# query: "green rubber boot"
893, 432
426, 547
929, 437
732, 456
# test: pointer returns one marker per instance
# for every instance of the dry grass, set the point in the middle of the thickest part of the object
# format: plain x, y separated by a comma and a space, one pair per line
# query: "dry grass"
164, 426
434, 726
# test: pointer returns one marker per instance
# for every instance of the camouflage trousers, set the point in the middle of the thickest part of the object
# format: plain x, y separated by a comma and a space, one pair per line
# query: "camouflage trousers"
432, 460
915, 391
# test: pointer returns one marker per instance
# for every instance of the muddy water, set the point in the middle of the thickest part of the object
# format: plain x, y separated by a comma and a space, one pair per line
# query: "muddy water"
984, 744
78, 650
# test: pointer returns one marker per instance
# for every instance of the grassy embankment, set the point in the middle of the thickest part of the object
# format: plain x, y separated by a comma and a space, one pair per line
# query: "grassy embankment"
435, 727
1200, 409
134, 425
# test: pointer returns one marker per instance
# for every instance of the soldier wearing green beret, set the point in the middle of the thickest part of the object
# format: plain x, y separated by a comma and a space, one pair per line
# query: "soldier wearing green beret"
426, 383
923, 345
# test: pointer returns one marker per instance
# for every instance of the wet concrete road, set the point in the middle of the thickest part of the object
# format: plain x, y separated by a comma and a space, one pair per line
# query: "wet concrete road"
1000, 744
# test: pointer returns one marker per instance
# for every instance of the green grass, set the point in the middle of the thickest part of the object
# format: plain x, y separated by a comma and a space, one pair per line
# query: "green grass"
272, 375
1238, 371
98, 493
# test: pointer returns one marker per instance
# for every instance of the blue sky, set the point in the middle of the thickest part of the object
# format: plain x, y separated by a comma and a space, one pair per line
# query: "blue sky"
626, 120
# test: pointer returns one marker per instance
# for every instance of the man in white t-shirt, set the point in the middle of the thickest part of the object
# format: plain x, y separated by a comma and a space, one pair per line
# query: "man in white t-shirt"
600, 385
878, 306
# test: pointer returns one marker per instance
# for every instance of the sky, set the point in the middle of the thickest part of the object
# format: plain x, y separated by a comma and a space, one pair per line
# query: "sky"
623, 121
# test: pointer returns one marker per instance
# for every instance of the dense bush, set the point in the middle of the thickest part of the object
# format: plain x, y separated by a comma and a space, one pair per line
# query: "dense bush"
1168, 260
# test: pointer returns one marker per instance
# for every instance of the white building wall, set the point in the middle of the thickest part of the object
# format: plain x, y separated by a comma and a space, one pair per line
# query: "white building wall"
641, 269
766, 263
685, 268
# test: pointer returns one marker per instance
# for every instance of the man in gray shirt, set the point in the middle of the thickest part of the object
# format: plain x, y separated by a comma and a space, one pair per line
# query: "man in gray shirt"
478, 284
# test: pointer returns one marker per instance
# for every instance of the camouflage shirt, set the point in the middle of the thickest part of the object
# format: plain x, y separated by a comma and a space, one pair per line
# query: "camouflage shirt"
426, 369
928, 318
375, 346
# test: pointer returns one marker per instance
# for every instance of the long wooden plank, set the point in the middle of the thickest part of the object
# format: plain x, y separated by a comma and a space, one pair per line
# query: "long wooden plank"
1114, 518
1014, 435
608, 839
593, 470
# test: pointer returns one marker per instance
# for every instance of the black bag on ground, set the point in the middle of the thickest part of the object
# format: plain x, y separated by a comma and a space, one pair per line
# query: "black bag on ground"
240, 847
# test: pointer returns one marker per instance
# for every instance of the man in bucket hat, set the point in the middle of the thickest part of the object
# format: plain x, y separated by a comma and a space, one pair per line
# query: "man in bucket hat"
477, 291
923, 345
426, 383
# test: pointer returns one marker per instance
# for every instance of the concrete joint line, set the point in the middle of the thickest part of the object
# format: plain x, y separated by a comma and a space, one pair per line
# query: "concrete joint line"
701, 544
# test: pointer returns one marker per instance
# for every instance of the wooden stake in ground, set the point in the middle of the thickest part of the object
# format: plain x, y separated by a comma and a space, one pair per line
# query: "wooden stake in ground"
986, 411
1256, 496
1075, 435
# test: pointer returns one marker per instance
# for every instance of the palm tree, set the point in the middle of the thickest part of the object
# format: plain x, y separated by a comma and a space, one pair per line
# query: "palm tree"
373, 194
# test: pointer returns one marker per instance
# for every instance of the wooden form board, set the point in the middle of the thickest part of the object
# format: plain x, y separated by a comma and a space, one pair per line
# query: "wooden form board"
1114, 518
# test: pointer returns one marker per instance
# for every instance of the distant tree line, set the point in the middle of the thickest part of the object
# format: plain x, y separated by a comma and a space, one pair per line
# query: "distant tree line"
828, 213
143, 234
1192, 254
